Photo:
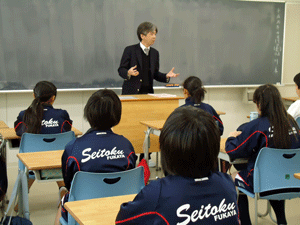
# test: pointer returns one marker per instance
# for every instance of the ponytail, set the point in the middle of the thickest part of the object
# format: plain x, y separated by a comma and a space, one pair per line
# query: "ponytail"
33, 116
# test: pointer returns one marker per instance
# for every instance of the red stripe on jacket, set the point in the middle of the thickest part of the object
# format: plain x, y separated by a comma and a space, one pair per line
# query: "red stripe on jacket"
143, 214
248, 139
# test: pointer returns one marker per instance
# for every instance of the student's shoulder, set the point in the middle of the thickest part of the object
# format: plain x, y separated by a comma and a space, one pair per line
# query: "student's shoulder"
223, 178
259, 124
294, 105
207, 106
297, 102
22, 113
120, 138
61, 111
151, 192
69, 147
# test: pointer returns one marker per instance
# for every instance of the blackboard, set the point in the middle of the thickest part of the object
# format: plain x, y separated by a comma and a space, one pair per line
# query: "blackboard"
79, 43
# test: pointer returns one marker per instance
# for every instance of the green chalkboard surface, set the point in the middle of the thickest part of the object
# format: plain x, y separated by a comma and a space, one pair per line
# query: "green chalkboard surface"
79, 43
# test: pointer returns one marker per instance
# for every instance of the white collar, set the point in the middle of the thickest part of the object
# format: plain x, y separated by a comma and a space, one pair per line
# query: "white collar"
144, 47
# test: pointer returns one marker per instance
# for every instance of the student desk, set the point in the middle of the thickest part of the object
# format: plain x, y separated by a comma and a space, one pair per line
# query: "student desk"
97, 211
41, 160
3, 142
297, 175
154, 127
9, 134
36, 161
136, 108
3, 125
290, 99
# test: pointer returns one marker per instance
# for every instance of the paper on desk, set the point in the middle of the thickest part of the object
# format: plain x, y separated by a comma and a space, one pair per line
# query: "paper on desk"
126, 97
163, 95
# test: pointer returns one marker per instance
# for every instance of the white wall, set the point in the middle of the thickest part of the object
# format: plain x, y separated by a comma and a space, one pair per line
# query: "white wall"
229, 100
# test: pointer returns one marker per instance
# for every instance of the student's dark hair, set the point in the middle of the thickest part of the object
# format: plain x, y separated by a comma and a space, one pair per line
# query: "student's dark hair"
297, 80
145, 28
33, 116
196, 90
268, 100
103, 110
189, 143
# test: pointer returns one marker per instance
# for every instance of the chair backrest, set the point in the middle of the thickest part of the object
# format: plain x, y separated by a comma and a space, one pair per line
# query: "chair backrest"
298, 121
44, 142
87, 185
274, 171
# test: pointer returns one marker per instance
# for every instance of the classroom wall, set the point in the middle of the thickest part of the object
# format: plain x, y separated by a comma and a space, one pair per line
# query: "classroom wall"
229, 100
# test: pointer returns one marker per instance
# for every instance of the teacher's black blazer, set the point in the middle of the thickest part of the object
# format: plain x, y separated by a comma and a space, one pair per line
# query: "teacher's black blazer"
132, 56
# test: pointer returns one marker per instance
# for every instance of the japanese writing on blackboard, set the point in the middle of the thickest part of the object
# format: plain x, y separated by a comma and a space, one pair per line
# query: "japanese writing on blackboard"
277, 46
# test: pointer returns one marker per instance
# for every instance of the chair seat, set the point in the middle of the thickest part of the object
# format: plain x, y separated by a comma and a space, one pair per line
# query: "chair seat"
250, 194
272, 177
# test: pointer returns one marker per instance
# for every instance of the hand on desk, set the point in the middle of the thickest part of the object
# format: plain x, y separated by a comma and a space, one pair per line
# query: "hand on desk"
234, 133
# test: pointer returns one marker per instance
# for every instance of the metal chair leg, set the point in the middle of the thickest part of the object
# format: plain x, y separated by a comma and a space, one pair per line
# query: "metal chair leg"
267, 211
256, 199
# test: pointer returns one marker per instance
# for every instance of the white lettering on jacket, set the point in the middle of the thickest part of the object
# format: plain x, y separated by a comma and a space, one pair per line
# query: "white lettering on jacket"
218, 212
113, 154
50, 123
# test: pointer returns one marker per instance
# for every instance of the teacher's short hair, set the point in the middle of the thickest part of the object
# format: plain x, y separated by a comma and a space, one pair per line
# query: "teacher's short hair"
145, 28
189, 143
103, 110
297, 80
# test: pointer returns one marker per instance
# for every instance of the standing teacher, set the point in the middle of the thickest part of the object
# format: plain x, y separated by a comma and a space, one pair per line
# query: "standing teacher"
140, 63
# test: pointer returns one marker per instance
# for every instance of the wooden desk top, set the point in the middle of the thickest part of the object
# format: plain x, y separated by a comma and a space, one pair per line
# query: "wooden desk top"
41, 160
297, 175
131, 98
158, 124
292, 99
155, 124
3, 125
97, 211
222, 145
146, 97
10, 133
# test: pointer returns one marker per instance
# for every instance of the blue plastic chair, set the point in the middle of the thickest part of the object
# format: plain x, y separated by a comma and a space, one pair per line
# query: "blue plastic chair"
274, 176
87, 185
298, 121
44, 142
35, 143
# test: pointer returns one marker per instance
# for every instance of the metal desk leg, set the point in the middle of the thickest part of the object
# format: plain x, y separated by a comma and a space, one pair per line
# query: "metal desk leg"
146, 145
25, 194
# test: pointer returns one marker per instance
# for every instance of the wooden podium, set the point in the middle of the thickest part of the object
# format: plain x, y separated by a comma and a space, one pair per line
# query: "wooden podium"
136, 108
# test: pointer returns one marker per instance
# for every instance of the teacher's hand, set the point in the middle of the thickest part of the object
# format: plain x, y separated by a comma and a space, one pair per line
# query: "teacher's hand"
172, 74
133, 71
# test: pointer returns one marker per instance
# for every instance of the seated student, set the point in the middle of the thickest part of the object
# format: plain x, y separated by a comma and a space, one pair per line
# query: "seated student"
193, 192
273, 128
114, 152
294, 109
194, 93
41, 118
3, 178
